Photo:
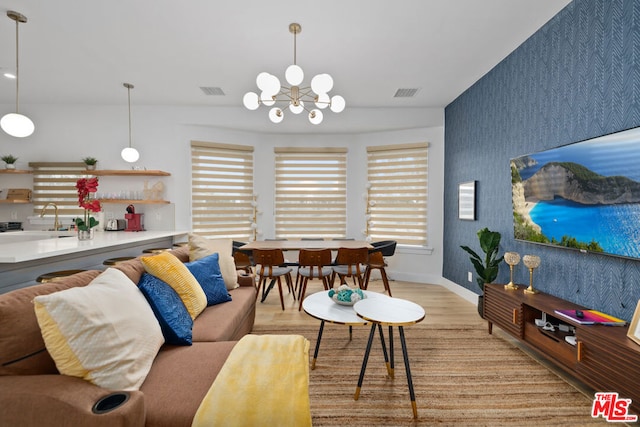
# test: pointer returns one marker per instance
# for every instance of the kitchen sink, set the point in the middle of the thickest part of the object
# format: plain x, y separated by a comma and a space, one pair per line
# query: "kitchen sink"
26, 236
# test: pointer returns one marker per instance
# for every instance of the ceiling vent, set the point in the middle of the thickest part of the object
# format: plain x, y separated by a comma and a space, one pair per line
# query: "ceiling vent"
406, 93
212, 91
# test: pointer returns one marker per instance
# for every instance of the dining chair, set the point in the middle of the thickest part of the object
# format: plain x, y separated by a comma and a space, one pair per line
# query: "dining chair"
243, 259
305, 239
314, 264
286, 263
350, 262
376, 261
269, 266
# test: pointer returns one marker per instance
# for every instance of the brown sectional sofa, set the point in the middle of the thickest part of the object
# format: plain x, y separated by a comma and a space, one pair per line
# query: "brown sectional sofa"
33, 393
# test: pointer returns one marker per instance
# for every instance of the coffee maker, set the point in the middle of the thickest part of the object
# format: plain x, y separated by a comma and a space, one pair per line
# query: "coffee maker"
134, 220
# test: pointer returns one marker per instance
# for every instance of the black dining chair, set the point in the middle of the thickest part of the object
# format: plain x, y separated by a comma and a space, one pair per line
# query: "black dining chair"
382, 249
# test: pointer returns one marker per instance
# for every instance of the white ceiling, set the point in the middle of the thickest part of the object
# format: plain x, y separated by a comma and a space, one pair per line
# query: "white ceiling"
81, 51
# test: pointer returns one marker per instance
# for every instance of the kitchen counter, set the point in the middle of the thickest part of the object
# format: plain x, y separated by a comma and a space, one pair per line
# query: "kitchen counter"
67, 243
21, 262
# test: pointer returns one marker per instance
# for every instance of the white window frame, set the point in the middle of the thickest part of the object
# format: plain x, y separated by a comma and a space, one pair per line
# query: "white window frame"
55, 182
310, 192
397, 193
222, 195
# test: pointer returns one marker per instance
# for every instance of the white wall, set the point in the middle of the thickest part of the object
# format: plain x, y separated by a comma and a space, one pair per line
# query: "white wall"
162, 134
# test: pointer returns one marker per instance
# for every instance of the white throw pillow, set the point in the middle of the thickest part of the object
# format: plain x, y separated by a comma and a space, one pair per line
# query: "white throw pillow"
105, 332
200, 247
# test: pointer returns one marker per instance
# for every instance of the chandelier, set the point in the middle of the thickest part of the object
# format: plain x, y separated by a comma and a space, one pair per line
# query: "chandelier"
299, 98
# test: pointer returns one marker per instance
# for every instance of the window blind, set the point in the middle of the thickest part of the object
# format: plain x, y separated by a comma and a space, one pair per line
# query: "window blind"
222, 190
311, 192
397, 193
55, 182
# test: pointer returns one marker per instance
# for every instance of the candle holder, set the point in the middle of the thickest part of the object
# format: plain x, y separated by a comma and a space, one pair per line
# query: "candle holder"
532, 262
511, 258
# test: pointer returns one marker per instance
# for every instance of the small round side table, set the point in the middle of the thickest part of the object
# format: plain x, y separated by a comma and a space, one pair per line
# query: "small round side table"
389, 312
323, 308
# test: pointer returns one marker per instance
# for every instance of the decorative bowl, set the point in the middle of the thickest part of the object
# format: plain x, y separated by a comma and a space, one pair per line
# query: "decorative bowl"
346, 296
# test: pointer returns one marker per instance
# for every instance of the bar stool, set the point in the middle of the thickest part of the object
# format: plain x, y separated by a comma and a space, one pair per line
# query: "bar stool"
116, 260
54, 276
155, 251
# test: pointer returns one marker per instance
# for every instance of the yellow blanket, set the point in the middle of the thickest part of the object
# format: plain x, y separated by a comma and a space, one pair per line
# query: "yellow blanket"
264, 382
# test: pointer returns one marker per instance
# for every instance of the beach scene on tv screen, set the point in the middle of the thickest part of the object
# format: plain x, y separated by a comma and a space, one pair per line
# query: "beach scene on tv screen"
584, 195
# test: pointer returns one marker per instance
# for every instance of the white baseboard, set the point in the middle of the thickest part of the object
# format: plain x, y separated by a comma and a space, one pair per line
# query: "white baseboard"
463, 292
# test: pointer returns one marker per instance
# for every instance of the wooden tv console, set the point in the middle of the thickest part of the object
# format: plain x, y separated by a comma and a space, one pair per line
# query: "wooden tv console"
604, 358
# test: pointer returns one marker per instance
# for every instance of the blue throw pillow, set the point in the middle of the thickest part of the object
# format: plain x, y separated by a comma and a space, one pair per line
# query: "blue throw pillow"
175, 321
207, 272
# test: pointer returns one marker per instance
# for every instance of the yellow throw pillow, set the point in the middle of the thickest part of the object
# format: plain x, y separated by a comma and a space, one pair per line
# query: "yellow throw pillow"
200, 247
105, 332
171, 270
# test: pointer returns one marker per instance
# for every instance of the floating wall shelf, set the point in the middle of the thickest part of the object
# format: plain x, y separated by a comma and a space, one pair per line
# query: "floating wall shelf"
15, 171
132, 172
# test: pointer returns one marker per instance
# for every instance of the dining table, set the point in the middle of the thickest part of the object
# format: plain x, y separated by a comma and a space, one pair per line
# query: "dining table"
298, 244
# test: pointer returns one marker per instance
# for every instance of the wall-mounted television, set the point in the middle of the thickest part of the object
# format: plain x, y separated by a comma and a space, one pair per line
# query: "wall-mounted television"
584, 195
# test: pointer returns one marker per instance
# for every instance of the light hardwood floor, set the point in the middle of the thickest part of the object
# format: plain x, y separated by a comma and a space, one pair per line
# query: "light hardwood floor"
441, 305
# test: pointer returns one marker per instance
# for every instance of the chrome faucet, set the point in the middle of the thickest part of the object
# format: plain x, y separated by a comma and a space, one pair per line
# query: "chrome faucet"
56, 224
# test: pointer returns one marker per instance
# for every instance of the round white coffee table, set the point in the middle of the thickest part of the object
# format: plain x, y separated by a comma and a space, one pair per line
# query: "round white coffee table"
323, 308
390, 312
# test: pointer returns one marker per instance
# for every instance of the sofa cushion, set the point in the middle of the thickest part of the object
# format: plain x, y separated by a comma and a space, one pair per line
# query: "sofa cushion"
179, 379
207, 272
229, 321
175, 321
134, 269
171, 270
22, 350
105, 332
182, 253
200, 247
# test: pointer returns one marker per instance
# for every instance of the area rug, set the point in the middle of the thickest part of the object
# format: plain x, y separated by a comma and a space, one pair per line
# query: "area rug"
462, 376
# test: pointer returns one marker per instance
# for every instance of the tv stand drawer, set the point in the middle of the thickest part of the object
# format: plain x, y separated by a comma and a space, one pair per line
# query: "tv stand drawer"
552, 344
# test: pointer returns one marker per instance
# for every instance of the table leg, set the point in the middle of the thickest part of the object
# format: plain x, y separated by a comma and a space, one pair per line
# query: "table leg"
265, 290
384, 352
315, 352
392, 372
408, 369
364, 361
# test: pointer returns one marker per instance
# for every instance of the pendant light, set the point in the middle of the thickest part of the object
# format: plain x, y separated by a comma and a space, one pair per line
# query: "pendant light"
16, 124
129, 154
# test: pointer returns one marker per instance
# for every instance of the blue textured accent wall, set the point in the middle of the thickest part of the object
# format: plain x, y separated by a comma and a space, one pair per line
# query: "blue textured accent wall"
578, 77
